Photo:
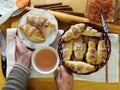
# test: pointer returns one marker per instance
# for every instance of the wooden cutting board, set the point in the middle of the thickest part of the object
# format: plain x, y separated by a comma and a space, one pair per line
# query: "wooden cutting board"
49, 83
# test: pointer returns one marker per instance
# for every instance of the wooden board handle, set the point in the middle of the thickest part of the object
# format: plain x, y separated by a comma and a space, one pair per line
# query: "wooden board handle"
68, 18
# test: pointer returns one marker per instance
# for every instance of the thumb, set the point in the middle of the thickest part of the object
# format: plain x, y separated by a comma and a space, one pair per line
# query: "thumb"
58, 73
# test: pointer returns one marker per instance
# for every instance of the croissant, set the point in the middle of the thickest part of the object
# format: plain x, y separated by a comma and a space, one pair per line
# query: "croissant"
102, 52
89, 31
32, 33
67, 48
79, 67
91, 54
79, 49
43, 23
95, 40
86, 39
35, 20
74, 32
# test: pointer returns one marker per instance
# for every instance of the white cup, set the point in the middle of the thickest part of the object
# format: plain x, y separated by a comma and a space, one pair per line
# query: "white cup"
41, 56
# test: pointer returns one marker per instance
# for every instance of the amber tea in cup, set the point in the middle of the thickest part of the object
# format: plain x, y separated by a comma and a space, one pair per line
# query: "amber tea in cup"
45, 60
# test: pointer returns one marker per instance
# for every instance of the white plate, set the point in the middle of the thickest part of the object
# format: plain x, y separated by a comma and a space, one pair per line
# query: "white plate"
49, 40
17, 12
6, 6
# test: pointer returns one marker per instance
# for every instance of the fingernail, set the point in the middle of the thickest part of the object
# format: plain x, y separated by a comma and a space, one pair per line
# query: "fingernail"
14, 37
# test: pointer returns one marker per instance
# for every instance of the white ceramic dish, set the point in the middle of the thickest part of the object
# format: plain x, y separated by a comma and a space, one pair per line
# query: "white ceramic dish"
6, 7
49, 40
17, 12
46, 71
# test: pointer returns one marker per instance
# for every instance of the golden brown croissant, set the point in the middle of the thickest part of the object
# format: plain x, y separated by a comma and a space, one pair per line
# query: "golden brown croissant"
86, 39
79, 67
67, 48
91, 54
89, 31
102, 52
93, 39
43, 23
79, 49
74, 32
36, 20
32, 33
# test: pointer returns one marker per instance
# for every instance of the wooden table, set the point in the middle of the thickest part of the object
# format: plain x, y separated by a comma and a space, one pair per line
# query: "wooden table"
49, 83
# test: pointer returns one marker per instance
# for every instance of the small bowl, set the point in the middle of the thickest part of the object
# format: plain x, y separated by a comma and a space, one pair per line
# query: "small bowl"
45, 59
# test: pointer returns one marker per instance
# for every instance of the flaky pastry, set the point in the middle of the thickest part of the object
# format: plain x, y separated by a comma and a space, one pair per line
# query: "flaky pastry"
91, 54
74, 32
79, 67
43, 23
67, 49
79, 49
89, 31
32, 33
102, 52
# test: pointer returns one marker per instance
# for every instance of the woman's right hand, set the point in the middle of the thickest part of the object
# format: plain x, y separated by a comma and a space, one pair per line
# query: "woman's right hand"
64, 80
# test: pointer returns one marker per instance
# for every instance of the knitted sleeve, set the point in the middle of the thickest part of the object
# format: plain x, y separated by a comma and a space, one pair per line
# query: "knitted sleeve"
17, 79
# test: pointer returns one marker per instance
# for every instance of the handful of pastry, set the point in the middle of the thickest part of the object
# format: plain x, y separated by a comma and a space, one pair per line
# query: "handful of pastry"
83, 49
37, 28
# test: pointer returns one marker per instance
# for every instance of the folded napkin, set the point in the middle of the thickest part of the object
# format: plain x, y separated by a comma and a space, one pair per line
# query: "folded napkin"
109, 73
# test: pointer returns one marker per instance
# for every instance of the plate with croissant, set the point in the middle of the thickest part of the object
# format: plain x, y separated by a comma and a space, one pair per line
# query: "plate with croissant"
84, 48
37, 28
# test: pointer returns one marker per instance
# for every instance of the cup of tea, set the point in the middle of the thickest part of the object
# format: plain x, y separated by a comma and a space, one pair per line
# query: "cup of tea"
45, 59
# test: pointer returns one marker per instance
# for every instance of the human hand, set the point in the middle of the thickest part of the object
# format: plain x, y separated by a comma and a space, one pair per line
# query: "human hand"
23, 54
64, 80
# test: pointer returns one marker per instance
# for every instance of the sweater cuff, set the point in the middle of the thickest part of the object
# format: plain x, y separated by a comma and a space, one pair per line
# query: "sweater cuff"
18, 65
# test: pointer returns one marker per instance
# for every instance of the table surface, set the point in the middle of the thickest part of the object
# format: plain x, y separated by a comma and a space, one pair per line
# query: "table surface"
49, 83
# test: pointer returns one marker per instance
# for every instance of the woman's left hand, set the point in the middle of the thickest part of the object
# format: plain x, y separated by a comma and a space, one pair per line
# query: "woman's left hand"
23, 54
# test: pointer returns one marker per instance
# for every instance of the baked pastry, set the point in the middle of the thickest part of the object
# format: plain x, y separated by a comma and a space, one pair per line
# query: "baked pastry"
32, 33
91, 54
95, 40
86, 39
89, 31
67, 49
36, 20
43, 23
79, 49
74, 32
102, 52
80, 67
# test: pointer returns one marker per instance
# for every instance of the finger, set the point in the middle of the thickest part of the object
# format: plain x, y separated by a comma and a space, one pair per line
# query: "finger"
20, 47
31, 52
63, 70
17, 40
19, 44
58, 73
16, 54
